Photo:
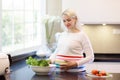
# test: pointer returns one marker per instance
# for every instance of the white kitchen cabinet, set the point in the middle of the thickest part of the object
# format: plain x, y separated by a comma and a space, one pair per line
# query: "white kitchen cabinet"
95, 11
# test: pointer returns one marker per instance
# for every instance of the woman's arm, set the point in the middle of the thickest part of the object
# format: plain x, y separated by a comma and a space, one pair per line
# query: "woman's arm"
87, 47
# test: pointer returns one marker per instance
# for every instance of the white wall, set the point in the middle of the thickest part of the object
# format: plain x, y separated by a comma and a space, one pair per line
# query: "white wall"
53, 7
95, 11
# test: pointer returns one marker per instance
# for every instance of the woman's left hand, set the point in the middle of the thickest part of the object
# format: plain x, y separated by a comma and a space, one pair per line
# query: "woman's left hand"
68, 65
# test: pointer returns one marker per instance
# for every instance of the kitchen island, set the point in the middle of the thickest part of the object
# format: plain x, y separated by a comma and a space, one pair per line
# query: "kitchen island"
20, 71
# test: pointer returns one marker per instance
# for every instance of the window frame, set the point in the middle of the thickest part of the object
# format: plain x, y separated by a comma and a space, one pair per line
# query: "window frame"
25, 50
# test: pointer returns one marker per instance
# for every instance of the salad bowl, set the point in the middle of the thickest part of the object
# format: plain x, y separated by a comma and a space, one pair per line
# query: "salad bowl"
40, 66
43, 70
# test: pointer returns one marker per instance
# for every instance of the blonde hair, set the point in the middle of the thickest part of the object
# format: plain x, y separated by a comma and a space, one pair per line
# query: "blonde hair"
71, 13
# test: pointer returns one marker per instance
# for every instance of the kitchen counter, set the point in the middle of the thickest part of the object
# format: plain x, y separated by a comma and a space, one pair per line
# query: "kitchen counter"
20, 71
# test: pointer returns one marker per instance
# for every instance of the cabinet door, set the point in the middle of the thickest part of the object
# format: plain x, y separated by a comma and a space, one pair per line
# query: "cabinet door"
95, 11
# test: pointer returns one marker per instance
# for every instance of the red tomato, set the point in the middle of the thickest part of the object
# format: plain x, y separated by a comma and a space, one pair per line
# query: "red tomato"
103, 73
94, 71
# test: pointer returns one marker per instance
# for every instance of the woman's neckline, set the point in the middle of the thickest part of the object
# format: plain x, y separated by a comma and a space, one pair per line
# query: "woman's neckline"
74, 31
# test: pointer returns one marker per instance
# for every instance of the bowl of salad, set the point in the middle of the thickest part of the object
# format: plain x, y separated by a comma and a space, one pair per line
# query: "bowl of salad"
40, 66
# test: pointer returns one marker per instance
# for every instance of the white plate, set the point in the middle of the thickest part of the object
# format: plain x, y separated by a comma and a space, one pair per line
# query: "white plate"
91, 75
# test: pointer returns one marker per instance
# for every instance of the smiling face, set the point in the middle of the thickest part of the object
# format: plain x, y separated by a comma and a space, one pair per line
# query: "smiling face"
69, 22
70, 19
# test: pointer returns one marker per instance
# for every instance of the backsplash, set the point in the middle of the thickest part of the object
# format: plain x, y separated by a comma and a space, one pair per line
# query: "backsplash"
104, 39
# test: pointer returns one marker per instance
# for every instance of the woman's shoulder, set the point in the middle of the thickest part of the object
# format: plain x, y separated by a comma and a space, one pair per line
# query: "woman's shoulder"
59, 34
62, 33
82, 35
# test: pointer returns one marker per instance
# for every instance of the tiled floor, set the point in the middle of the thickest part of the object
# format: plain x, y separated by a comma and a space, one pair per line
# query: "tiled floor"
111, 67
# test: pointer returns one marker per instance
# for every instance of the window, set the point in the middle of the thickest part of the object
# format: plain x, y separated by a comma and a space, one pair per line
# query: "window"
21, 25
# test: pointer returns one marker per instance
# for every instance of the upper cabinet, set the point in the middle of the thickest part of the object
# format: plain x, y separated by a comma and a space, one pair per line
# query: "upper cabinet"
95, 11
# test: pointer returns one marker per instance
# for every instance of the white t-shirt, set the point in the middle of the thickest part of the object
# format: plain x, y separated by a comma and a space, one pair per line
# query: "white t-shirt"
73, 44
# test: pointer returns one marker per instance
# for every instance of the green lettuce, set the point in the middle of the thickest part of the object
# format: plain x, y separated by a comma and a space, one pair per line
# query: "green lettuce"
37, 62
